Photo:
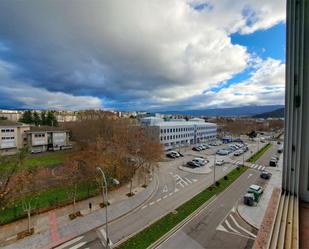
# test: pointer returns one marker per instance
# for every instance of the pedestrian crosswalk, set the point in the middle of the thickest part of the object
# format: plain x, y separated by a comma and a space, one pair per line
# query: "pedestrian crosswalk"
252, 166
234, 224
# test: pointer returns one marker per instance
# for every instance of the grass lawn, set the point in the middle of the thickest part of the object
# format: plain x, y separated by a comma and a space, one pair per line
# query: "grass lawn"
258, 154
49, 198
155, 231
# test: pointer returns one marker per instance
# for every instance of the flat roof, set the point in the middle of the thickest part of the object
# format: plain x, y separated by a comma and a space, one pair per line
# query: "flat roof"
44, 128
183, 123
5, 122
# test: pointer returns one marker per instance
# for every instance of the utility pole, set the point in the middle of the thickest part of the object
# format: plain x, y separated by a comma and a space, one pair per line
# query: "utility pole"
215, 169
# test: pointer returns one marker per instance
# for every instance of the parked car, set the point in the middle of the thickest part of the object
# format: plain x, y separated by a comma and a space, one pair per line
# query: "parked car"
280, 149
180, 154
237, 153
196, 148
206, 146
192, 164
219, 162
199, 161
173, 154
256, 190
202, 147
273, 162
222, 152
265, 175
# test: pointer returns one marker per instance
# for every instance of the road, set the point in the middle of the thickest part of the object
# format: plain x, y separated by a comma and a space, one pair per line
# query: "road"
218, 225
175, 187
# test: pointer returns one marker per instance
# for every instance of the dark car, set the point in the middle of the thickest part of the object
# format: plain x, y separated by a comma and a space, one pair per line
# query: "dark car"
273, 162
170, 155
196, 149
265, 175
192, 164
180, 154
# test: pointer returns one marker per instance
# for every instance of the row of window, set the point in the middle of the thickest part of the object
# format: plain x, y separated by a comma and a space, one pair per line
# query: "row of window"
165, 138
7, 130
7, 138
163, 131
39, 135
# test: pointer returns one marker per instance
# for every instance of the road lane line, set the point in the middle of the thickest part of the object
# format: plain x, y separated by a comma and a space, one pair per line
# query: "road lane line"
79, 245
70, 242
240, 227
230, 227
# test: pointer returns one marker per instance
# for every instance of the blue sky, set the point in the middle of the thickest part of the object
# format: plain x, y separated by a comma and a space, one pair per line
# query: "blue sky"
141, 55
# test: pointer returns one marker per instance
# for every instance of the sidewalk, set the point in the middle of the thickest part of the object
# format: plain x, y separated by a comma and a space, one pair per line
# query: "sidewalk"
54, 227
254, 215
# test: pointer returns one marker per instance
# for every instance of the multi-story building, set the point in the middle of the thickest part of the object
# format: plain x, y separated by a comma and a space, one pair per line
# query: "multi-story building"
43, 138
180, 132
12, 136
12, 115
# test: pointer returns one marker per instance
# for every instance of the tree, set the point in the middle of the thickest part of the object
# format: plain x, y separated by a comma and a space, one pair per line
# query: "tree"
51, 119
252, 134
26, 117
43, 118
36, 118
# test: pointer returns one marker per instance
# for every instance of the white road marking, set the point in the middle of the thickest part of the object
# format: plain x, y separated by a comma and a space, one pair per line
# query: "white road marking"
250, 175
224, 168
165, 196
170, 194
171, 173
230, 227
159, 199
260, 167
256, 166
165, 189
180, 183
188, 180
240, 227
144, 207
151, 203
263, 167
70, 242
194, 180
79, 245
176, 190
221, 228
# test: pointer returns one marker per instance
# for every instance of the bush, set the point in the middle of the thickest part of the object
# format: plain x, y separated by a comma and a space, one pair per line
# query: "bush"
217, 183
225, 177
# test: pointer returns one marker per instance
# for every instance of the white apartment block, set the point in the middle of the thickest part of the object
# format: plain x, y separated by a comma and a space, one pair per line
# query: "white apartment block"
12, 136
175, 133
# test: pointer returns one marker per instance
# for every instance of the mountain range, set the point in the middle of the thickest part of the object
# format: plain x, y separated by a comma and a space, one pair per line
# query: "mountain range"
278, 113
243, 111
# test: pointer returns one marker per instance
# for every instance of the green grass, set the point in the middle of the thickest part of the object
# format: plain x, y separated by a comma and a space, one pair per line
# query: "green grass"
258, 154
155, 231
48, 198
34, 161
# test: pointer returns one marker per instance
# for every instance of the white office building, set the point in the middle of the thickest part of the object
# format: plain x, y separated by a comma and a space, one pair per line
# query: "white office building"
179, 132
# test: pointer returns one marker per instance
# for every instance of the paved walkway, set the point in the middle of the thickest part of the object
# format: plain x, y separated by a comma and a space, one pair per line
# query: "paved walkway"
54, 227
254, 215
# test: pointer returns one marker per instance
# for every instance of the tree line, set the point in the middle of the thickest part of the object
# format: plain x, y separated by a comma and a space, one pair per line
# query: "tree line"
42, 118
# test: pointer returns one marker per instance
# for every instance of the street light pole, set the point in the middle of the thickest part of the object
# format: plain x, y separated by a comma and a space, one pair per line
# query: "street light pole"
215, 169
106, 204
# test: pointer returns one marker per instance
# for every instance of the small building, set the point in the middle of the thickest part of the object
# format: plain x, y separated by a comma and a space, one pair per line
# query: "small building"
13, 136
45, 138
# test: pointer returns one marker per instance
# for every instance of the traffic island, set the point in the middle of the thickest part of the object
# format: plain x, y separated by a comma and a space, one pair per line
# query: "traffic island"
25, 233
159, 228
258, 154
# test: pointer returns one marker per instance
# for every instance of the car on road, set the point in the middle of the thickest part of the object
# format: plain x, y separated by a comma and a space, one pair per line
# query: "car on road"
192, 164
222, 152
265, 175
219, 162
280, 149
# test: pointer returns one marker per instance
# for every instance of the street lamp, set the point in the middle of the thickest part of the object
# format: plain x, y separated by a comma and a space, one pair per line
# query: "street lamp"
215, 169
115, 182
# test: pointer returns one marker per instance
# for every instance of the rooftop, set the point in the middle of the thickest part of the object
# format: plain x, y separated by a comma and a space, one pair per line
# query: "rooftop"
45, 128
5, 122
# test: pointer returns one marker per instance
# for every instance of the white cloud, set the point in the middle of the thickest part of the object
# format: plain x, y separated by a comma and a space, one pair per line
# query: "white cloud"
143, 51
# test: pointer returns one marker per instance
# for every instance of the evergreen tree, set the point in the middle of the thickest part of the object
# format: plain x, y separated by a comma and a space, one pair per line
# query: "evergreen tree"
26, 117
36, 118
43, 118
51, 119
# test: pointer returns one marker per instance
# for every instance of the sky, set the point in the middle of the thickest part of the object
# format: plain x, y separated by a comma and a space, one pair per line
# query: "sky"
141, 55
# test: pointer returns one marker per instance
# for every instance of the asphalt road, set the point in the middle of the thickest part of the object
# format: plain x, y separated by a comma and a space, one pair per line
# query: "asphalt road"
218, 225
175, 187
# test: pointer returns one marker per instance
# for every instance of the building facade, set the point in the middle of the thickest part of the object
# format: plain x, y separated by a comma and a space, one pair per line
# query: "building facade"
175, 133
44, 138
13, 136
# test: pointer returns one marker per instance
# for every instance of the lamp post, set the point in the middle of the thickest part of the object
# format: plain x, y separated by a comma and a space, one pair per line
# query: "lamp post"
215, 169
116, 182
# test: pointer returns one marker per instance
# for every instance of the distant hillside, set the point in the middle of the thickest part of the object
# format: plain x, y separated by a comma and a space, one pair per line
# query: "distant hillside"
228, 112
278, 113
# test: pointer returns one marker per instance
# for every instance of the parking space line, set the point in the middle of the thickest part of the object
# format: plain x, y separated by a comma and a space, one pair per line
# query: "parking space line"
188, 180
151, 203
165, 196
159, 199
